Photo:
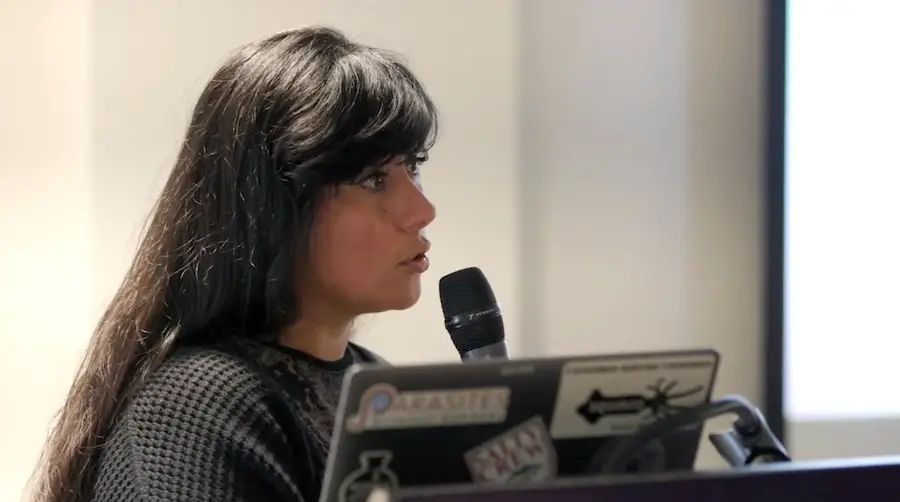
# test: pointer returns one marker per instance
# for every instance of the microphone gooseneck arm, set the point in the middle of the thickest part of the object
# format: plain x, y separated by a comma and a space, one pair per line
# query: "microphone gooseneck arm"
749, 440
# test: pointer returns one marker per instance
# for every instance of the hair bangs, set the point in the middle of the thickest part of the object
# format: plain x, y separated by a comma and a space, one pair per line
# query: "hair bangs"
384, 112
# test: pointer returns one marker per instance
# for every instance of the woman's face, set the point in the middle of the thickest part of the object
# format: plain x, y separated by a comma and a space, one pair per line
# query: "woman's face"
367, 250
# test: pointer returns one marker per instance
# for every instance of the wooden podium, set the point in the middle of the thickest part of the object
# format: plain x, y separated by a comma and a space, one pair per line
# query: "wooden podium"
855, 480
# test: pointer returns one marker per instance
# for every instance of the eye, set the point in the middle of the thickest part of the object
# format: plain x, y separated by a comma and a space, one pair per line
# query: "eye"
377, 181
414, 163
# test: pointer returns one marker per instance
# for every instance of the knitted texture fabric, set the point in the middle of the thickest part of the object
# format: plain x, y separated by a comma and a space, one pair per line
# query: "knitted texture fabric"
215, 425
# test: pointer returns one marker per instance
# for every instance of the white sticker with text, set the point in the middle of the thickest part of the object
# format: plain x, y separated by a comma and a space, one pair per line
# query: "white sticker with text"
524, 453
611, 397
382, 407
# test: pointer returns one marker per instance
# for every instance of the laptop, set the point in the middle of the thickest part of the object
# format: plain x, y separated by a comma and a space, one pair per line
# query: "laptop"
508, 422
837, 480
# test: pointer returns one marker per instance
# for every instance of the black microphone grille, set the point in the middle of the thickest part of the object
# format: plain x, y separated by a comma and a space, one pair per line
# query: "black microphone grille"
465, 291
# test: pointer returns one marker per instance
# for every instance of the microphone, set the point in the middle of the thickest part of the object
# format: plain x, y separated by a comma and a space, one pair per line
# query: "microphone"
472, 316
749, 441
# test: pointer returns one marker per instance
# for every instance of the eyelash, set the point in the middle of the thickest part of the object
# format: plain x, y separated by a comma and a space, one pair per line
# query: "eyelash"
413, 168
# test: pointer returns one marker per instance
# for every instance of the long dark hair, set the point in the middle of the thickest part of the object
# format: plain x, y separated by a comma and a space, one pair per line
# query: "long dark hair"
279, 123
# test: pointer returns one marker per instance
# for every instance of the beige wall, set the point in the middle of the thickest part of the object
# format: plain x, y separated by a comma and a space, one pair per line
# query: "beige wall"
599, 160
642, 180
45, 221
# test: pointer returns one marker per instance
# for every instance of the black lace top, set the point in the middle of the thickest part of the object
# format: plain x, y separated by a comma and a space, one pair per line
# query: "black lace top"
239, 421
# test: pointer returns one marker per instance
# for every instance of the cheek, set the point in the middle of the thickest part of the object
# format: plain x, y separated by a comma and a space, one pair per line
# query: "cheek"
348, 254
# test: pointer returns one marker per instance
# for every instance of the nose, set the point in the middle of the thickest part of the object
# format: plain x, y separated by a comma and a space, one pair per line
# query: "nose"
419, 213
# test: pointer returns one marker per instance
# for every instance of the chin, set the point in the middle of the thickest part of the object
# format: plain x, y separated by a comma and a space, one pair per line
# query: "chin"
404, 299
386, 305
407, 302
396, 296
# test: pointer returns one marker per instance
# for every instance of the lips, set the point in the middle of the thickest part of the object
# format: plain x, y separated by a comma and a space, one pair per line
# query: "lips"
417, 265
420, 253
418, 262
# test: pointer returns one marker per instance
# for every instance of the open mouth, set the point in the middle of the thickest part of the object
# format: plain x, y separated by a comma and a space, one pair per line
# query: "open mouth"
418, 263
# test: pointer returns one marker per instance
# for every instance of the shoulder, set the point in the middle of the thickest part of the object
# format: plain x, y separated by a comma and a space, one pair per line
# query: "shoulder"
203, 369
214, 392
205, 421
222, 377
204, 383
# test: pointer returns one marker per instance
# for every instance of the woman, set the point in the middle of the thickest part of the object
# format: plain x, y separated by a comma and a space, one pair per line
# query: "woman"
294, 207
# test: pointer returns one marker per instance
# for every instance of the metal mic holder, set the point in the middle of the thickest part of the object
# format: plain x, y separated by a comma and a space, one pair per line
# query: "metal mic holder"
749, 440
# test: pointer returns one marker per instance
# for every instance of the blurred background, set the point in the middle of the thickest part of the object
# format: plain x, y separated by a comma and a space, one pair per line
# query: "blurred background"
616, 168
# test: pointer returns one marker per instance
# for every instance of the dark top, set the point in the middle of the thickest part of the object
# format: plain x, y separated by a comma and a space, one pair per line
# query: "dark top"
239, 421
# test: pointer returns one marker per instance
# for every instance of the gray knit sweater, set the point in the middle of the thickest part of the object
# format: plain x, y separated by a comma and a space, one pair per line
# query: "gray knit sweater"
236, 422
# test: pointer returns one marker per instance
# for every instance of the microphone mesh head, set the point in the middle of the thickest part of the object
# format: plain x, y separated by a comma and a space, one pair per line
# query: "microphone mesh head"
465, 292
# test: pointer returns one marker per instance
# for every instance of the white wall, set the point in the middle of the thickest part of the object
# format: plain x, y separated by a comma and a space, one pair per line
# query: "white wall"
45, 227
599, 160
641, 171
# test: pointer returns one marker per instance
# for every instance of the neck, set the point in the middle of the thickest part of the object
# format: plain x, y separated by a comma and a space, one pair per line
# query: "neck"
323, 340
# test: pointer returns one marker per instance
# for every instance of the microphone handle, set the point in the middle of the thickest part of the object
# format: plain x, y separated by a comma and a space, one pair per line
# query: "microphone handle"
493, 351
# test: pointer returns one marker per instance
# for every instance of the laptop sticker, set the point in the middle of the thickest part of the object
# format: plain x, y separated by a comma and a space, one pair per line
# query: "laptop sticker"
383, 407
380, 495
373, 477
609, 397
524, 453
